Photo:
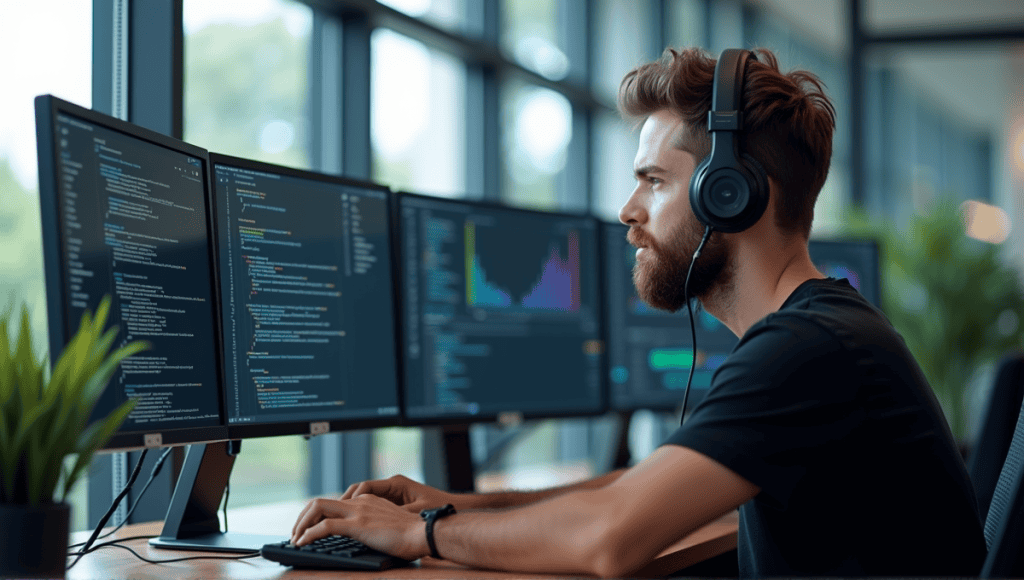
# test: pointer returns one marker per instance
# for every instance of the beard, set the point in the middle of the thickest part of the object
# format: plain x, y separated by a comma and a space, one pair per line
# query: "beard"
660, 276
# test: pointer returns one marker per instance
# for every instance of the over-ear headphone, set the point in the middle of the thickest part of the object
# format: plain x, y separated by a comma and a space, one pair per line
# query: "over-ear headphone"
728, 191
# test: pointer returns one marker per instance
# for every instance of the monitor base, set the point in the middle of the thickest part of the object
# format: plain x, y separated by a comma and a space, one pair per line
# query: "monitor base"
217, 542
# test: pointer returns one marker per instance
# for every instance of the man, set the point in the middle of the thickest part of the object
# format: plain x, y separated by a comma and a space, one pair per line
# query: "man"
820, 427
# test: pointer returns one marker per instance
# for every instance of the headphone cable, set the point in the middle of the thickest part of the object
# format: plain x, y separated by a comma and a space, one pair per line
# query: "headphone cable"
689, 309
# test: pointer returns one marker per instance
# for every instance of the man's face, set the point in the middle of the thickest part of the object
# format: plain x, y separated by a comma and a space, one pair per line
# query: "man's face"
662, 224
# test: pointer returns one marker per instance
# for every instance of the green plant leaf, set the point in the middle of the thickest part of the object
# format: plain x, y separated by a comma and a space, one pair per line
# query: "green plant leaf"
44, 417
94, 437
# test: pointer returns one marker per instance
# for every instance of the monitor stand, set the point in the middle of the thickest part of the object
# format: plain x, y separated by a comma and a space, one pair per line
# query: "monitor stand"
622, 457
458, 459
192, 522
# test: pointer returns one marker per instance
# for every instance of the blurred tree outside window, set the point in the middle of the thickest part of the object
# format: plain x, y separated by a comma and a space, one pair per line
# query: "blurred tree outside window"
246, 65
536, 129
531, 35
246, 83
417, 121
48, 50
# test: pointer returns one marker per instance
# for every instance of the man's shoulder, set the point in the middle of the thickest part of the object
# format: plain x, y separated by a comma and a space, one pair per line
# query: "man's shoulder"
828, 312
817, 333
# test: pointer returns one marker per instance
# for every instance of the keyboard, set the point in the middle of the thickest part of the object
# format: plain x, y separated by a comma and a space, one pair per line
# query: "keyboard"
332, 552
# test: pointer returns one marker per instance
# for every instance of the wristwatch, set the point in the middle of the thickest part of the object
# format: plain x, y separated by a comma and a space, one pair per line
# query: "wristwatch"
431, 516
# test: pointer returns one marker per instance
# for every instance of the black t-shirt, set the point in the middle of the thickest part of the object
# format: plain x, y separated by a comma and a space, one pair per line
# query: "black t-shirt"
822, 406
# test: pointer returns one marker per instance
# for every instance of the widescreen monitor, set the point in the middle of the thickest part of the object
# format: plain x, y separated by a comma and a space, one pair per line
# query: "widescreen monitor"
501, 312
124, 213
307, 300
650, 351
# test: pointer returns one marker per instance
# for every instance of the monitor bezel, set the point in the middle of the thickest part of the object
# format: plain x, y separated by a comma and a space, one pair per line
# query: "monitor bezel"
47, 108
511, 416
291, 427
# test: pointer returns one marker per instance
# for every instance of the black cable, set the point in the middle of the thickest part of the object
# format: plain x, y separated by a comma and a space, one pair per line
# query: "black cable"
152, 476
689, 309
113, 506
118, 544
147, 560
227, 494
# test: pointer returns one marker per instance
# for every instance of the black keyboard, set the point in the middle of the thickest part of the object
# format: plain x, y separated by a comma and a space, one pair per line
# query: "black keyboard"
332, 552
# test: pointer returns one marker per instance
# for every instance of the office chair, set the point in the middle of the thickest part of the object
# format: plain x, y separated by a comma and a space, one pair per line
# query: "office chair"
1004, 526
989, 452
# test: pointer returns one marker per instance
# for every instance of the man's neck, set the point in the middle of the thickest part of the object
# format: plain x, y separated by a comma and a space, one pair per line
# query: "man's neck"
760, 283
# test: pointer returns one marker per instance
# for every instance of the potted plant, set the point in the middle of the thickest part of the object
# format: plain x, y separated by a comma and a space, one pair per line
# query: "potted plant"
955, 300
45, 418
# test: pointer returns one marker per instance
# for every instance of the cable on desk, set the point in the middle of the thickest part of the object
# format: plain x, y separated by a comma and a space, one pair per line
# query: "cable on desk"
117, 544
92, 549
152, 476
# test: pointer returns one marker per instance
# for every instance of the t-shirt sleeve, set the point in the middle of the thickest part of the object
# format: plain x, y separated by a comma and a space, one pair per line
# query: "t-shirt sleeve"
782, 397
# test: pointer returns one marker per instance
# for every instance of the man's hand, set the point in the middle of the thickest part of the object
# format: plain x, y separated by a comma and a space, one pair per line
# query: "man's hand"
372, 520
401, 490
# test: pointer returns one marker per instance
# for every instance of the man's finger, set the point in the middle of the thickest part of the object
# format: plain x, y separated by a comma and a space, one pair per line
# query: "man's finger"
316, 511
306, 508
323, 529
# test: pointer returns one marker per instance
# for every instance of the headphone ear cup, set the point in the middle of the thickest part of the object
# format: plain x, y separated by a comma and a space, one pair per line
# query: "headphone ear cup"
729, 198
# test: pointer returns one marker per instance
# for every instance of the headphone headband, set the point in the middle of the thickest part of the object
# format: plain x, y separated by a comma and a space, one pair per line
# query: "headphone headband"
729, 190
726, 113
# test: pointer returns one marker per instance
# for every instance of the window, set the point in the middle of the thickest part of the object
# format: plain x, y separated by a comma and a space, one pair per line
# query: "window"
623, 25
398, 450
449, 14
53, 44
246, 78
532, 35
417, 126
937, 115
536, 130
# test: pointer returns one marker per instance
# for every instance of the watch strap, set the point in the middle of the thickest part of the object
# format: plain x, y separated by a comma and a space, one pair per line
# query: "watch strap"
430, 516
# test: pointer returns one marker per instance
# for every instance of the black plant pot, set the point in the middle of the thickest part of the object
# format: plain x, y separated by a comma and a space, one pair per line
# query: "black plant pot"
34, 540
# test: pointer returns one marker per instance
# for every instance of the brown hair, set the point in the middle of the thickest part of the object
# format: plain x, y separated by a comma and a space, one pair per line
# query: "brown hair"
788, 120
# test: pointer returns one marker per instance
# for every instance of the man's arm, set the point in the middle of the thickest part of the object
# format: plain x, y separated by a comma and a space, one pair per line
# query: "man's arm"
610, 530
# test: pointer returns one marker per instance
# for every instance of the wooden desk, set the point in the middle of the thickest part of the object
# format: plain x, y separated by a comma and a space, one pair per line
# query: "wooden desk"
713, 539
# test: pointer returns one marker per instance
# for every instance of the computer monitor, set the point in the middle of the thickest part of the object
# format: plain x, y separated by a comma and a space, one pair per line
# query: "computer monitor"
306, 306
650, 351
501, 312
307, 300
124, 213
